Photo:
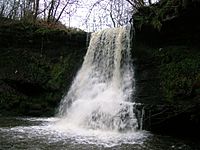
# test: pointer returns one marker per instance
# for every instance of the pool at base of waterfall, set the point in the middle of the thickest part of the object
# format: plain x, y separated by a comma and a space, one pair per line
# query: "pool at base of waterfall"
47, 133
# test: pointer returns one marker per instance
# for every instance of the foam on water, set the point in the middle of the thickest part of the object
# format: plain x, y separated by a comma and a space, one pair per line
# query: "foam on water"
50, 131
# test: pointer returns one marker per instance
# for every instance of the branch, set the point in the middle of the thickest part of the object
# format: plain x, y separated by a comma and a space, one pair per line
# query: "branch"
90, 10
130, 2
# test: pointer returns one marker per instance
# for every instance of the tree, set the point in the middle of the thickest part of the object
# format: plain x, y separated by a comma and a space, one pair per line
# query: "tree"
2, 8
113, 13
58, 7
110, 13
36, 8
31, 10
120, 12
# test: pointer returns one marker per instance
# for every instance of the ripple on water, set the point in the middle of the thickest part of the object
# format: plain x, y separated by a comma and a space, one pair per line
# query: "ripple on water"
50, 132
47, 133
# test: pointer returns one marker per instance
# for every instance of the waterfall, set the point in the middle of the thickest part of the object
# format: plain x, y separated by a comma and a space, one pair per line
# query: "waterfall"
100, 96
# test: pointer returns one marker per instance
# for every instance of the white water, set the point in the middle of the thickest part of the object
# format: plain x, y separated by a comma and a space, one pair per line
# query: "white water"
97, 111
49, 133
100, 96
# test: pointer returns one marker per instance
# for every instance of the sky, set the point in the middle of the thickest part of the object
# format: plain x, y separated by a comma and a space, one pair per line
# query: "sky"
79, 18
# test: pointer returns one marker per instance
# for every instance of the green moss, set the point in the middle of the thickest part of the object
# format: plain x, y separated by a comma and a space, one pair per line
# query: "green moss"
56, 80
42, 31
179, 71
155, 14
37, 64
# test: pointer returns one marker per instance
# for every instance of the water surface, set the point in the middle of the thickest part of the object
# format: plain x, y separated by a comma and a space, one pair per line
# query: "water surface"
44, 133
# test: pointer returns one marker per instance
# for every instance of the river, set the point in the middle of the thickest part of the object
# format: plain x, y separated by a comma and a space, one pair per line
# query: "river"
43, 133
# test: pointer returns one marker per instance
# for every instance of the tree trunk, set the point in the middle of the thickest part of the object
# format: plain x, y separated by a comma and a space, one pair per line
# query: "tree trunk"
62, 11
149, 2
55, 11
50, 13
36, 9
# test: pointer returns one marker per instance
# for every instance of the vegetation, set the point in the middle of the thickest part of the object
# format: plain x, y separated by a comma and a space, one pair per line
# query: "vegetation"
167, 66
32, 10
155, 14
39, 58
33, 84
179, 72
38, 63
172, 47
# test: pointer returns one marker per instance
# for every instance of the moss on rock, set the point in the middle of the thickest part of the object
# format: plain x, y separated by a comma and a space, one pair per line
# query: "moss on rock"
37, 65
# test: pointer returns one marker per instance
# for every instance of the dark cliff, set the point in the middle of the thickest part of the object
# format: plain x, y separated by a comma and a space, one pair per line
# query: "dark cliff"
37, 66
167, 61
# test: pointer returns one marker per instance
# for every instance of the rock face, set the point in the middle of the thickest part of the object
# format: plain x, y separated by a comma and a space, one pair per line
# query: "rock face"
37, 65
168, 74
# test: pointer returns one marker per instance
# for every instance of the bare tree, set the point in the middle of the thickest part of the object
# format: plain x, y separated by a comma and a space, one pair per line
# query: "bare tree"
58, 7
50, 11
36, 8
115, 12
2, 8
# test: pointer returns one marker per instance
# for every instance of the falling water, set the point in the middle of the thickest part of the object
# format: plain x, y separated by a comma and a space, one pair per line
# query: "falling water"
97, 106
101, 93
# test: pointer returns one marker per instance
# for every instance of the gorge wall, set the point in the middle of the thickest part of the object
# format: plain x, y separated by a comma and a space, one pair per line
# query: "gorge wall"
37, 66
167, 69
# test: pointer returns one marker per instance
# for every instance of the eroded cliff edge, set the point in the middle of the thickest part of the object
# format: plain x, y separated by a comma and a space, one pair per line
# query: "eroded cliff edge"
167, 66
